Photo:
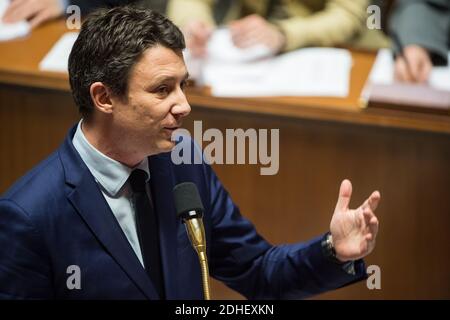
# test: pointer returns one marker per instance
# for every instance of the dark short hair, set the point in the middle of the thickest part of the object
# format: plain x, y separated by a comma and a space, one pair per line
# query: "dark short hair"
110, 43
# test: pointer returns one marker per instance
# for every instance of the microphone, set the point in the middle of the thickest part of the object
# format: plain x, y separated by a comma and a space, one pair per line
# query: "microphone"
189, 208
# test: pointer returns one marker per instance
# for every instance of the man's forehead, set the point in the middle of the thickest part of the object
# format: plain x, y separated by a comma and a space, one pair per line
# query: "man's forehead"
162, 61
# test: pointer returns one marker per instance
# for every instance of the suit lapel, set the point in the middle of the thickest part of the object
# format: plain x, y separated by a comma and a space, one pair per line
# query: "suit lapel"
87, 199
162, 182
93, 208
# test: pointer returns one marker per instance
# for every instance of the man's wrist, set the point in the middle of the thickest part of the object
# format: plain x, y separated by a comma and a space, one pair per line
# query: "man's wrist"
329, 250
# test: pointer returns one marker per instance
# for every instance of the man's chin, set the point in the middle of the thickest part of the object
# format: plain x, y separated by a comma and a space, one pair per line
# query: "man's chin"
166, 146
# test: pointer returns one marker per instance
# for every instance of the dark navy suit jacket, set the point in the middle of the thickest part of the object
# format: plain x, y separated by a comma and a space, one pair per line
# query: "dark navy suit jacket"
56, 216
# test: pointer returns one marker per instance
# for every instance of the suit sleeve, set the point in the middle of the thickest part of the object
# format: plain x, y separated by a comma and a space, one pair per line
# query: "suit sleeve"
336, 23
87, 6
425, 23
24, 263
247, 263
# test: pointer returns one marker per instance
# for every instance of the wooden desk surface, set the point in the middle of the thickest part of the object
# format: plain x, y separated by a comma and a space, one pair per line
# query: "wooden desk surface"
19, 61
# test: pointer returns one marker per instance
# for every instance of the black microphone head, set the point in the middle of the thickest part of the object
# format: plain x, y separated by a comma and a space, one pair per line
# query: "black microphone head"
187, 200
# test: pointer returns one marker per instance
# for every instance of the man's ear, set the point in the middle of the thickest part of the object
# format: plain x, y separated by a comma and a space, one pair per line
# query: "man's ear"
101, 97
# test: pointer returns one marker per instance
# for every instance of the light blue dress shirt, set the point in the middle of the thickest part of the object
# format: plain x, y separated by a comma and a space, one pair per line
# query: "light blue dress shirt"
112, 178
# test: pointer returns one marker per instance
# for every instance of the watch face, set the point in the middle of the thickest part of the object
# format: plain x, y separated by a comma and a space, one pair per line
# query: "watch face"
329, 241
328, 249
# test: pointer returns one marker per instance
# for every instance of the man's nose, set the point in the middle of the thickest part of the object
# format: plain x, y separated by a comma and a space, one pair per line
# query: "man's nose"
181, 108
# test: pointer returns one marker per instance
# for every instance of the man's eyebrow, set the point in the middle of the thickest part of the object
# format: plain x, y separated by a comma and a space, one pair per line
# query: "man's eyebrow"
169, 78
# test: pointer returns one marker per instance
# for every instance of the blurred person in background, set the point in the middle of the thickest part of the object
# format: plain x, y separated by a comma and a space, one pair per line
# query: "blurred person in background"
281, 25
422, 28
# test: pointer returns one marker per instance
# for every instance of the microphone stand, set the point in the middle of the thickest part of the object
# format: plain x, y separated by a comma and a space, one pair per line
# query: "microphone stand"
196, 234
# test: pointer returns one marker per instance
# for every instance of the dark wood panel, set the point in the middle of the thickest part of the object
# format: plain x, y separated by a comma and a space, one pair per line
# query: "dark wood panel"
33, 124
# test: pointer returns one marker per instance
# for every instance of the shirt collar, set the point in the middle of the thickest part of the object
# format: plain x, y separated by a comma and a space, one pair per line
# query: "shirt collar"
109, 173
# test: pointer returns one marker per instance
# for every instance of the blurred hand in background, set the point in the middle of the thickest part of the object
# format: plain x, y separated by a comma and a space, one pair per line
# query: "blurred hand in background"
35, 11
414, 65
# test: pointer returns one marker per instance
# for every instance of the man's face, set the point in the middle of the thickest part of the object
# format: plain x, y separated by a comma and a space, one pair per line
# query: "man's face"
156, 102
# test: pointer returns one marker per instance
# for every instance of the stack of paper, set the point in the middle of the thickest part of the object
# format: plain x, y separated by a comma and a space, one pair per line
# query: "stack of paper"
382, 88
57, 59
232, 72
383, 72
440, 77
9, 31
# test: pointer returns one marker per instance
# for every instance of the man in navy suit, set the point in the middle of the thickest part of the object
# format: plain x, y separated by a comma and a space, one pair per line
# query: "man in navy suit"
77, 210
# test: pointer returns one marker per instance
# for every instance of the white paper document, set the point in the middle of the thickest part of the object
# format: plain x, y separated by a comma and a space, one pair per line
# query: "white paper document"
10, 31
221, 48
57, 59
305, 72
383, 72
256, 72
440, 77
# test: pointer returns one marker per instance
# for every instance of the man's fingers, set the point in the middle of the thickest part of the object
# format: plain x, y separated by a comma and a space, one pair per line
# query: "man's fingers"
246, 25
202, 34
196, 42
198, 32
238, 35
414, 67
373, 227
374, 200
402, 72
10, 13
419, 62
345, 193
197, 36
425, 71
27, 10
250, 38
198, 52
242, 23
371, 222
39, 18
197, 49
419, 70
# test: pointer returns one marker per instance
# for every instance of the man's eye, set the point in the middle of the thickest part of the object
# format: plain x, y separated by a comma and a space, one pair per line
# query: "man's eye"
163, 90
183, 85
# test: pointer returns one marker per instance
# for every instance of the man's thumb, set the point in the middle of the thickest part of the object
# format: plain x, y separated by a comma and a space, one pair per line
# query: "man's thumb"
345, 193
